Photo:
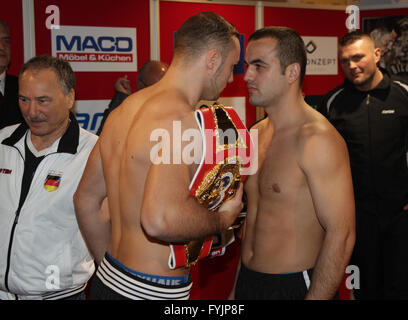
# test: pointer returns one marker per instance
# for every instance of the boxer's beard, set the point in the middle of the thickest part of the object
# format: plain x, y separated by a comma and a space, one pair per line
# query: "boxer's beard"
214, 90
256, 100
210, 91
214, 93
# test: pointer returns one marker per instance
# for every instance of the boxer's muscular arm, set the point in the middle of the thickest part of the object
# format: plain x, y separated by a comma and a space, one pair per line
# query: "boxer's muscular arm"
93, 222
324, 159
168, 211
170, 214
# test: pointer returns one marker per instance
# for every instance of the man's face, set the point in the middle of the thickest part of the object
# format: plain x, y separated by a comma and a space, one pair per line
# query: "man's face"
44, 104
224, 73
265, 81
5, 49
359, 62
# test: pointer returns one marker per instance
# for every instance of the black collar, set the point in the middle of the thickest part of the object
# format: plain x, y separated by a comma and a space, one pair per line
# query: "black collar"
68, 143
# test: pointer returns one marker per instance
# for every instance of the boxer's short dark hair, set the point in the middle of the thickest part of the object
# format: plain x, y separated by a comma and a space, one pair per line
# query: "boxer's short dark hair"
290, 49
203, 30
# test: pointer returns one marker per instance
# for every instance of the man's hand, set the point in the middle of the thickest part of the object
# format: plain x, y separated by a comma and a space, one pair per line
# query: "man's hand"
406, 207
230, 209
123, 85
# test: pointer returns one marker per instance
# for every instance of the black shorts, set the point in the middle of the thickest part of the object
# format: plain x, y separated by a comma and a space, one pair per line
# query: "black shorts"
252, 285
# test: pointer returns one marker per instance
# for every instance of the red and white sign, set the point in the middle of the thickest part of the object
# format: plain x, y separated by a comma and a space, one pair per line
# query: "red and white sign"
96, 49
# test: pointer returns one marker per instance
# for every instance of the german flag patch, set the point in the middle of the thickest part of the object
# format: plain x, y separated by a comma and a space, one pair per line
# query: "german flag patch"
52, 181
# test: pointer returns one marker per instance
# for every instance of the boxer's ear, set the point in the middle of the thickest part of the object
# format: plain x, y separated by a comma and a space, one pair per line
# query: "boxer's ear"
213, 60
292, 72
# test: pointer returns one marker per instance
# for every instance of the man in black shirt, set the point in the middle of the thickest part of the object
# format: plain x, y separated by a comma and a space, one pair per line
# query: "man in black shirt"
370, 110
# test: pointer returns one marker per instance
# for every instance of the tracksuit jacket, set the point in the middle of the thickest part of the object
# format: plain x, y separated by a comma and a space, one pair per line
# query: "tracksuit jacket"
42, 252
374, 125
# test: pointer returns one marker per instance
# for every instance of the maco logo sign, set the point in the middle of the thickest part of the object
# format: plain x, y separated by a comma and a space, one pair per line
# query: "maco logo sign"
96, 48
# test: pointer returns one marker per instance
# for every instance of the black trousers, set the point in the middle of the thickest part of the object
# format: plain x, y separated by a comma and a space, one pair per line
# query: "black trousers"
381, 255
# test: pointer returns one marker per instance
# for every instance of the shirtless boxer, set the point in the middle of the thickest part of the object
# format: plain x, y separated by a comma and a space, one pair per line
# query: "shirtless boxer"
147, 201
299, 231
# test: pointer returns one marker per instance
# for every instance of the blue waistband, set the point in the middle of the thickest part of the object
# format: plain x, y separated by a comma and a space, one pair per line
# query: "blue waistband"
290, 272
168, 281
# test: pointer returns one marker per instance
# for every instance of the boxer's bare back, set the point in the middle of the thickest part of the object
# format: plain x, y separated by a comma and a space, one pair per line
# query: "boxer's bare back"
147, 199
125, 146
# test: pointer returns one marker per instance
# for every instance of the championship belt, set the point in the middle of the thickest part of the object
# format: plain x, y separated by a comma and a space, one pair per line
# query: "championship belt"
227, 149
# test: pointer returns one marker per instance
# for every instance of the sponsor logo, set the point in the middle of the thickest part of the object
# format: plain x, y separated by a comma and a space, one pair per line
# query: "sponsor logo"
104, 44
5, 171
96, 48
311, 47
90, 122
90, 113
69, 48
390, 111
321, 55
86, 57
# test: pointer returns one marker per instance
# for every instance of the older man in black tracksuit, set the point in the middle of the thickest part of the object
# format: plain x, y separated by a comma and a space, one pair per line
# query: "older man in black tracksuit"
370, 110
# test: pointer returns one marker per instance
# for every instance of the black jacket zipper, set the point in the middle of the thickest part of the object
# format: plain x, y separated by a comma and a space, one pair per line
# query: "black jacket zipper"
9, 248
30, 166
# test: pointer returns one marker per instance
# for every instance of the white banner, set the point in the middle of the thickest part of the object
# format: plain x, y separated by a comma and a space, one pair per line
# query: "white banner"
96, 49
89, 113
321, 55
